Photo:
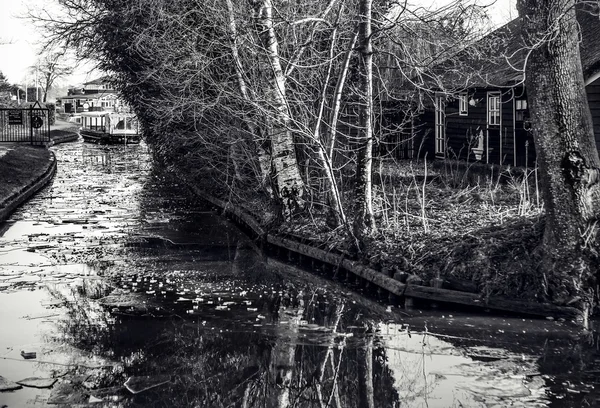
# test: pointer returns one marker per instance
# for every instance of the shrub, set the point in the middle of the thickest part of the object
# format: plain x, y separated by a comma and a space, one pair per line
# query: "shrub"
51, 113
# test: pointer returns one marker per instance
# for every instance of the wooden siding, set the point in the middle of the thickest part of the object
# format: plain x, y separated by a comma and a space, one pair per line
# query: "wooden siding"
508, 143
395, 127
593, 95
462, 131
424, 131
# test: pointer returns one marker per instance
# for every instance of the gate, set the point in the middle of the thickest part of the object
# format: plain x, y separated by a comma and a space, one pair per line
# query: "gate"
25, 125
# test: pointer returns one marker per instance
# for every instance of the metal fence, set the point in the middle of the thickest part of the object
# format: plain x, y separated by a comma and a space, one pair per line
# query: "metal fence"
25, 125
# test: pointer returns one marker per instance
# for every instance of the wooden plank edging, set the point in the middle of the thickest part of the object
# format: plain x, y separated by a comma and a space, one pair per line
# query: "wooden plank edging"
392, 285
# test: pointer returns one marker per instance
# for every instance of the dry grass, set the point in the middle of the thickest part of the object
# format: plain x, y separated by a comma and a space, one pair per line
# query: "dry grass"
480, 225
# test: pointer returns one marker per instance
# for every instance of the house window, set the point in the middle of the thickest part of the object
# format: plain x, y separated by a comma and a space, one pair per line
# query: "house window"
493, 109
440, 126
463, 104
521, 104
520, 108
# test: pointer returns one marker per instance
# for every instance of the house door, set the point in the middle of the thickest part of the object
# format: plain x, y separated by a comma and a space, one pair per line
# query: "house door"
494, 124
440, 127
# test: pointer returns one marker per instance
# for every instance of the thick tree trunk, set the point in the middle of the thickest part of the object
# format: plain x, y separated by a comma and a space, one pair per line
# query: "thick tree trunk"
290, 186
567, 154
364, 223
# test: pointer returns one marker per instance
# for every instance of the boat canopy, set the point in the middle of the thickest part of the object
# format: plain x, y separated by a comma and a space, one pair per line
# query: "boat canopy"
109, 122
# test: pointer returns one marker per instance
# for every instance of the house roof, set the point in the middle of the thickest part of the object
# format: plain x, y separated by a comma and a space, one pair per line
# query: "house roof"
590, 44
98, 81
498, 59
95, 95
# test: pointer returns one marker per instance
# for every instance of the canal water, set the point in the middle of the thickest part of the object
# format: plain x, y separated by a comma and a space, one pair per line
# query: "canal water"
119, 289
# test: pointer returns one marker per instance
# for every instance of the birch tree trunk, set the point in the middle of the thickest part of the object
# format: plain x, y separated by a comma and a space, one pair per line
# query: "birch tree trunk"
337, 97
567, 154
289, 183
320, 373
364, 223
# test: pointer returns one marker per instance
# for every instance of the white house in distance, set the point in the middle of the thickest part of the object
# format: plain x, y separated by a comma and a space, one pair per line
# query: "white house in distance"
96, 95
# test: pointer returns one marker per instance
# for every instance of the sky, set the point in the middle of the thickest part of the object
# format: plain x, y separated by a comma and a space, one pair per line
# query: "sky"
19, 40
19, 44
16, 56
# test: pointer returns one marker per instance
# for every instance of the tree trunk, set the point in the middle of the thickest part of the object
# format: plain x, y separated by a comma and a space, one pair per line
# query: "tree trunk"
337, 97
567, 155
364, 223
289, 183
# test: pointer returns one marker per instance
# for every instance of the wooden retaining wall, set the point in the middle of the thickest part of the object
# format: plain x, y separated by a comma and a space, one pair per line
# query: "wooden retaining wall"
335, 263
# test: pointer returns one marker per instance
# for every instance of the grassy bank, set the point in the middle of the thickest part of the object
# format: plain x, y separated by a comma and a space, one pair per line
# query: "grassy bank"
61, 133
19, 167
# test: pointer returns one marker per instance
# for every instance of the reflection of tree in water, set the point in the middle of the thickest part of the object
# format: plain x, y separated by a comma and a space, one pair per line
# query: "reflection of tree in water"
305, 358
86, 321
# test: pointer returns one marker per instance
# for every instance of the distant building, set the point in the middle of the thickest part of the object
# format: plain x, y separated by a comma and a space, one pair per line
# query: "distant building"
96, 95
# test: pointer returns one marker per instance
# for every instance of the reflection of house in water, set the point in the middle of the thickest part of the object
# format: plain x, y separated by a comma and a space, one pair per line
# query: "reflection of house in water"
430, 372
96, 95
95, 156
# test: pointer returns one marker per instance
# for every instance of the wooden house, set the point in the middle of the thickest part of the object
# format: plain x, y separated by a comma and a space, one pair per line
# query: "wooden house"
482, 114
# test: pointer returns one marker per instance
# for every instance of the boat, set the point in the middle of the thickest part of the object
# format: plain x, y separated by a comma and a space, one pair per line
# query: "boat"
109, 128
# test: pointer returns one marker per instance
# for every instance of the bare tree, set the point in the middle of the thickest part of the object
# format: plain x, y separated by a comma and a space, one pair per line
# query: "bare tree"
289, 183
364, 223
567, 155
243, 95
264, 159
50, 66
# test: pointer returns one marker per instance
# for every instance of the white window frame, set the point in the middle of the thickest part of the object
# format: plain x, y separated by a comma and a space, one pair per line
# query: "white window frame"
520, 108
494, 110
440, 125
463, 104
